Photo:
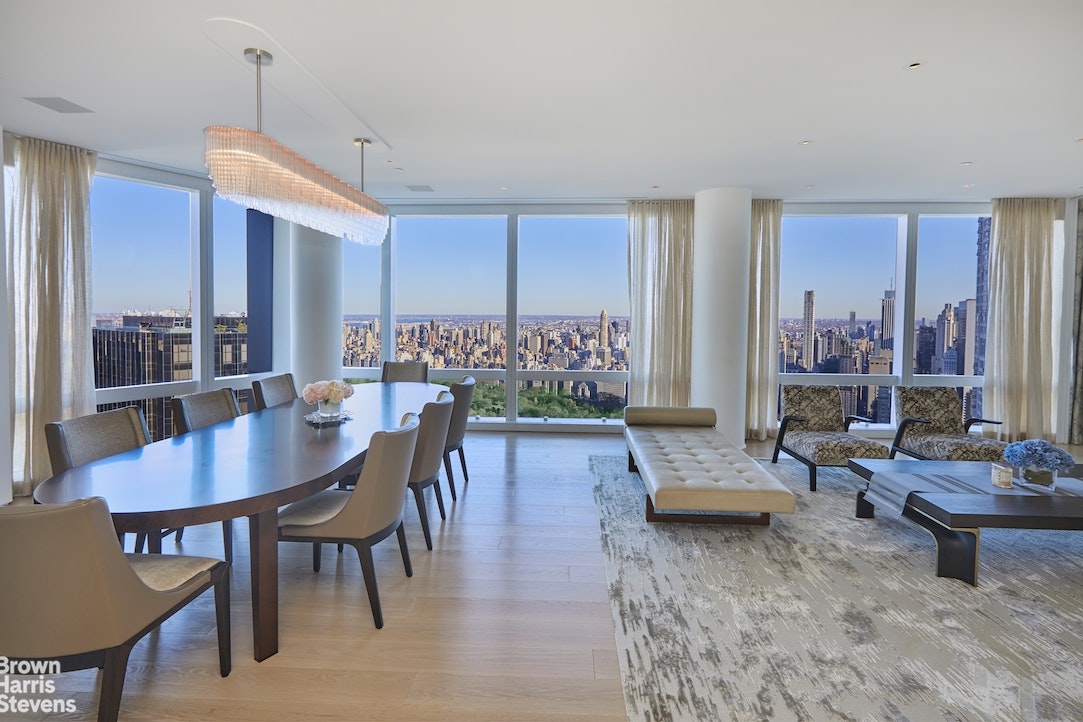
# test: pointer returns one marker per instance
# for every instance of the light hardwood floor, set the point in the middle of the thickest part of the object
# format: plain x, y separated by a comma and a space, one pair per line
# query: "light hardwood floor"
506, 619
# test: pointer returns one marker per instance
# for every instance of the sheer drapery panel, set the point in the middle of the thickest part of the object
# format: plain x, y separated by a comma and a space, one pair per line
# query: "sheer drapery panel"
1075, 432
761, 401
1019, 382
660, 288
49, 295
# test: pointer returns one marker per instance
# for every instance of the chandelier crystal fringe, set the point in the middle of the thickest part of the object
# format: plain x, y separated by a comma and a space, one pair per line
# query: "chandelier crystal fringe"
253, 169
257, 171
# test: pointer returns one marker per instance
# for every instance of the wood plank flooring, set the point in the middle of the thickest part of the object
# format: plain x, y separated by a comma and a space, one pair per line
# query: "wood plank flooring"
507, 619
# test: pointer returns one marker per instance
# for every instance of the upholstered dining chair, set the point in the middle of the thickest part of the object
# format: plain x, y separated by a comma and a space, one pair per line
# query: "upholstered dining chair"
425, 470
75, 597
365, 516
814, 431
405, 371
931, 426
78, 441
198, 411
463, 391
273, 391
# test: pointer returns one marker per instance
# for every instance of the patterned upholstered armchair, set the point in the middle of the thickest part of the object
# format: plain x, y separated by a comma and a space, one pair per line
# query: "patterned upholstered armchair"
931, 426
814, 432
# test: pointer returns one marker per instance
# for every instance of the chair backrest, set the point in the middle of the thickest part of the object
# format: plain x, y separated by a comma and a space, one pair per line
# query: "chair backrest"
405, 371
939, 404
820, 406
432, 437
463, 391
376, 501
78, 441
197, 411
69, 587
273, 391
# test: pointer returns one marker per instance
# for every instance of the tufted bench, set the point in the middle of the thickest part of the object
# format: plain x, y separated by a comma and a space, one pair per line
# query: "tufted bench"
687, 465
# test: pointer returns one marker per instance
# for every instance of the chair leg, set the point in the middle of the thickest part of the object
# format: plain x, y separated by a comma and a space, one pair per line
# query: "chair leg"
140, 539
450, 476
774, 456
227, 538
368, 571
221, 612
401, 533
462, 460
812, 477
113, 670
419, 497
154, 542
316, 556
439, 498
180, 533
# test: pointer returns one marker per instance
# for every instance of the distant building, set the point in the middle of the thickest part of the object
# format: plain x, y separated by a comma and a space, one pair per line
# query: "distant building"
808, 353
887, 320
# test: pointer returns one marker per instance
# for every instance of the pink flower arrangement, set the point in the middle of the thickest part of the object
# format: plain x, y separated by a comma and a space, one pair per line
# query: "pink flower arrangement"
333, 391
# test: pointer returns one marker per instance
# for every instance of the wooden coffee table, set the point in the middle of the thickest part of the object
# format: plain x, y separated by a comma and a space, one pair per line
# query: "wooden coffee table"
953, 500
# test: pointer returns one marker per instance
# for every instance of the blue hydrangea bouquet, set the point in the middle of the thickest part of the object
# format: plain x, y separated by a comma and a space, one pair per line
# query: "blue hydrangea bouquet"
1038, 461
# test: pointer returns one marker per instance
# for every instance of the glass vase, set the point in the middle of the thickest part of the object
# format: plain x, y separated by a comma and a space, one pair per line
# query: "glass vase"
1039, 478
329, 409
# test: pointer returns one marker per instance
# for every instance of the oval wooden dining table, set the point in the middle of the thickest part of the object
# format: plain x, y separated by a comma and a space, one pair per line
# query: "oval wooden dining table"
248, 466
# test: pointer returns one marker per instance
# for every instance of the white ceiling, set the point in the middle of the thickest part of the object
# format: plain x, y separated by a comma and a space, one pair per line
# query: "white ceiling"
578, 99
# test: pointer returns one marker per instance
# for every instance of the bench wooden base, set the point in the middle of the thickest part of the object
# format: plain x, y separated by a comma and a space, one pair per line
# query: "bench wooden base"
763, 519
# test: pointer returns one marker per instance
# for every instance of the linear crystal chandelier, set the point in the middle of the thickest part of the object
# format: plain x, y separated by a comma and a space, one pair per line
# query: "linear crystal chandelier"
253, 169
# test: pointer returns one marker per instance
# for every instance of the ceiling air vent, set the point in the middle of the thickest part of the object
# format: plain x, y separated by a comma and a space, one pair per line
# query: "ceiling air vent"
60, 105
420, 188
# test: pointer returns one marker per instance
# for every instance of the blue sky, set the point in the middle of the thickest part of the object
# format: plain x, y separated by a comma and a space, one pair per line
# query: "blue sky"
850, 262
457, 265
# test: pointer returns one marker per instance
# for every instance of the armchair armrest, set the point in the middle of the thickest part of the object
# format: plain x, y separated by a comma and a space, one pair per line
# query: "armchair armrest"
975, 420
901, 430
786, 422
852, 418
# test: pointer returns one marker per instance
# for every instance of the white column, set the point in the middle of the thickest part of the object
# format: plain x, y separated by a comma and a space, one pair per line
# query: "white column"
316, 305
723, 229
5, 367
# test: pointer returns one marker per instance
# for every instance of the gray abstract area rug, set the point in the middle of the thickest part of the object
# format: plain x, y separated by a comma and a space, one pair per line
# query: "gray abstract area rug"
822, 616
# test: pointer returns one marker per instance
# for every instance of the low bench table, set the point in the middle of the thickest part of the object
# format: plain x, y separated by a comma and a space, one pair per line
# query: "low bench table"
954, 499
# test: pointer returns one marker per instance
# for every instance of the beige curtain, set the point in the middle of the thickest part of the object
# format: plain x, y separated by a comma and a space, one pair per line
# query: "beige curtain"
660, 287
1019, 385
49, 287
761, 400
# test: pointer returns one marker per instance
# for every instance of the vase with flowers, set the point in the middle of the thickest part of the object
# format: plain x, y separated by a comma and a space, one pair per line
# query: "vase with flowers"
328, 396
1038, 461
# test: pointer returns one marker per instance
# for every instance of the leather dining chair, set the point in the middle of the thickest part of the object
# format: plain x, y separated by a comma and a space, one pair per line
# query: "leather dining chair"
273, 391
463, 391
198, 411
362, 517
405, 371
76, 598
78, 441
425, 470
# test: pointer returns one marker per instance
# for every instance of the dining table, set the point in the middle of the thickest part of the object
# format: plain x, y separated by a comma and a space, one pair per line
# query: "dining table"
245, 467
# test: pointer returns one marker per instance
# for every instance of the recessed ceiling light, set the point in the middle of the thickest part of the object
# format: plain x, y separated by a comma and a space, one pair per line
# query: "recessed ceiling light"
654, 187
503, 188
398, 170
810, 186
913, 66
967, 162
805, 142
968, 185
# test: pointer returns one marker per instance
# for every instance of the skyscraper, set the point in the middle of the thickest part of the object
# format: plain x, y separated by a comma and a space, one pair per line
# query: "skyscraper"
603, 330
981, 310
965, 314
945, 337
887, 320
853, 324
808, 352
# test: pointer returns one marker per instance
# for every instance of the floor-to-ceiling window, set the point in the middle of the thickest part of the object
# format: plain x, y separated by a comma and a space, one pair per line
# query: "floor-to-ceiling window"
142, 291
893, 290
572, 316
361, 287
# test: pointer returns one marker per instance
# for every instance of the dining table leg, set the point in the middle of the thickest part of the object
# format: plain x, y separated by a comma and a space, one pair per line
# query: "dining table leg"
263, 537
